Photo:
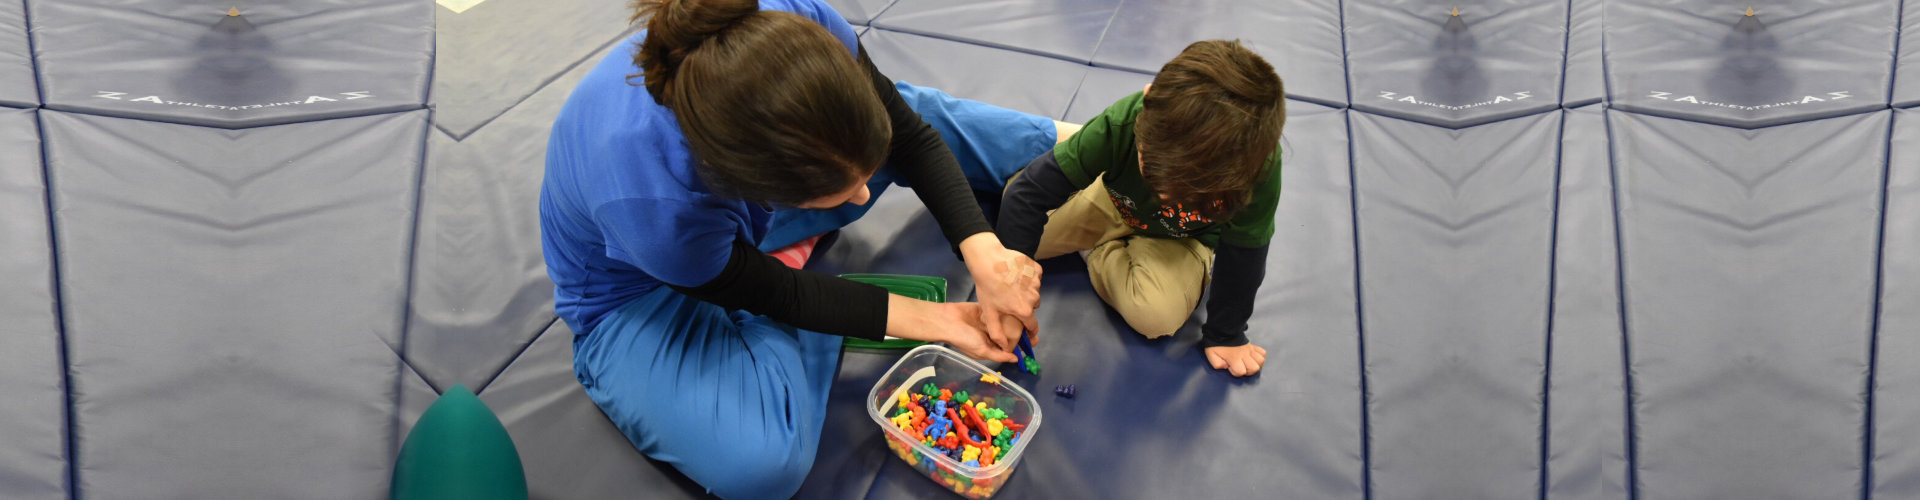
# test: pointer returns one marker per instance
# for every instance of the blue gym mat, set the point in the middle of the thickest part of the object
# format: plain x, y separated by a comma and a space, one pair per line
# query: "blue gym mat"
16, 63
1455, 67
1584, 378
1582, 84
1067, 29
33, 463
1044, 86
158, 226
190, 62
1896, 430
1749, 279
1790, 61
1906, 76
240, 255
1469, 212
1300, 38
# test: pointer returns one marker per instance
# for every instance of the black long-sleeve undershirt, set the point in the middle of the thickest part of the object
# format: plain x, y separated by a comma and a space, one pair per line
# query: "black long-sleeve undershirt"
756, 282
1042, 186
923, 160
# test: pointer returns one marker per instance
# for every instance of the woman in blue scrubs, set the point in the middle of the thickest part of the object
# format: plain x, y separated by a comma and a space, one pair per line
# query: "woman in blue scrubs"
731, 128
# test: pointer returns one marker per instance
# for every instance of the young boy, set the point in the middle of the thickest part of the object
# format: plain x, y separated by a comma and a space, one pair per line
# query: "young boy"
1167, 190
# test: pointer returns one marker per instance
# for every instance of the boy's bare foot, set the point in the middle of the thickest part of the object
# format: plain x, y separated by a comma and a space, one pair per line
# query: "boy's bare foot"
1241, 361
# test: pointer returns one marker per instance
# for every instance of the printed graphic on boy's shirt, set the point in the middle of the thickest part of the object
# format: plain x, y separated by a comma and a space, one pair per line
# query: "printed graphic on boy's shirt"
1175, 221
1125, 205
1179, 215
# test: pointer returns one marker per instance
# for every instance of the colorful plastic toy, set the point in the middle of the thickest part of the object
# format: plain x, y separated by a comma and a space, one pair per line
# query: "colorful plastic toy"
1024, 354
959, 425
1065, 391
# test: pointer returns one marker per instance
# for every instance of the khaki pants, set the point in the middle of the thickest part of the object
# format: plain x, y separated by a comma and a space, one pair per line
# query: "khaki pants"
1155, 283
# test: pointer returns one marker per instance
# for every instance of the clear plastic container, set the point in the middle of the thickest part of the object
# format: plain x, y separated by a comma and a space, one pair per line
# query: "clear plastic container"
947, 369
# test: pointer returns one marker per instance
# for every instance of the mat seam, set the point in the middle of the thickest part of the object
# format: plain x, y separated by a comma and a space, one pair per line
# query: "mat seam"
1879, 291
1359, 304
59, 307
537, 334
1566, 59
556, 76
1553, 266
876, 15
1103, 32
1553, 288
1893, 65
982, 43
53, 258
1631, 448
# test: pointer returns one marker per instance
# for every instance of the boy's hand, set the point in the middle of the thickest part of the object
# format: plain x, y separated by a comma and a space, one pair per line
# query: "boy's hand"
1008, 283
1241, 360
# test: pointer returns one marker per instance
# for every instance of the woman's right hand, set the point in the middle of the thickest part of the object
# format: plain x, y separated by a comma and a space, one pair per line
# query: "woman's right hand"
957, 324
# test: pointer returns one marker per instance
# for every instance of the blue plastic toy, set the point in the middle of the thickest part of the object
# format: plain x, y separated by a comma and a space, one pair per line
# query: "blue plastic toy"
1024, 354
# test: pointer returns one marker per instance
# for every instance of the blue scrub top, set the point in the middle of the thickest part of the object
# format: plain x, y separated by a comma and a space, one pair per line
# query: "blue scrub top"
621, 210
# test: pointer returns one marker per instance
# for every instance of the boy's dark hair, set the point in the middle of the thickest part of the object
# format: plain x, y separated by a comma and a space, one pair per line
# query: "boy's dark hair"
773, 106
1207, 126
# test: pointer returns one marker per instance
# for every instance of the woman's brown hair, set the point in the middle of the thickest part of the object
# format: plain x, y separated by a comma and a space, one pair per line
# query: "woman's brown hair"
1207, 126
774, 107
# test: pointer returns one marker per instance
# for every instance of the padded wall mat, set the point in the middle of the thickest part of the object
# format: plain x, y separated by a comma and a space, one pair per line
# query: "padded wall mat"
1067, 29
190, 62
232, 300
1455, 243
481, 291
1707, 61
1583, 83
17, 87
1455, 65
1896, 395
1585, 404
1152, 420
1300, 38
1749, 276
33, 463
1023, 82
490, 57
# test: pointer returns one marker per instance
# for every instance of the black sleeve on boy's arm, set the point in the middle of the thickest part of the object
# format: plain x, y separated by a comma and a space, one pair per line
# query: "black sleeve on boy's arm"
1023, 211
755, 282
1237, 273
921, 157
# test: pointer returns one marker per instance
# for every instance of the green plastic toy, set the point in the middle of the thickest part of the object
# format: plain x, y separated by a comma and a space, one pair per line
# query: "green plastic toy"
458, 450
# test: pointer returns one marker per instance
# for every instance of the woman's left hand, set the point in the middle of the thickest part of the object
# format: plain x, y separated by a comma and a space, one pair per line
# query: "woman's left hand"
1008, 283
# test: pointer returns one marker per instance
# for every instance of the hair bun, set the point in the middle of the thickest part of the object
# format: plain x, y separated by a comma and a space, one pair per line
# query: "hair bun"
678, 27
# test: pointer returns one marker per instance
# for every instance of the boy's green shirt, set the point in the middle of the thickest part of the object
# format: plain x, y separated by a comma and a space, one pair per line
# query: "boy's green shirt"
1105, 146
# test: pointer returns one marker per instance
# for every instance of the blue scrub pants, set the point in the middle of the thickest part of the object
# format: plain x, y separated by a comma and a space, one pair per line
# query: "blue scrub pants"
735, 400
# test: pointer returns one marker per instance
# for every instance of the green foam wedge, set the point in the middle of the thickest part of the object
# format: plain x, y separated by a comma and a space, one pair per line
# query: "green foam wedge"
458, 450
